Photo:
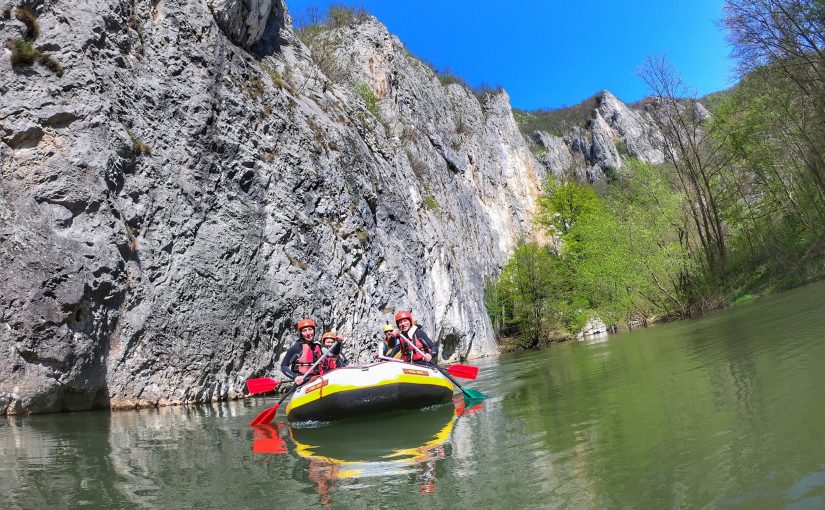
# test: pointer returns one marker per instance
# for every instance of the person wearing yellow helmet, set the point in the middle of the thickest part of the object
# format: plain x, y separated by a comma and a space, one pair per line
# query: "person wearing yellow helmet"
389, 349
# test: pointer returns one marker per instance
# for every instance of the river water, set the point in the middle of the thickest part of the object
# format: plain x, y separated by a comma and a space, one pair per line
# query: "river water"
725, 411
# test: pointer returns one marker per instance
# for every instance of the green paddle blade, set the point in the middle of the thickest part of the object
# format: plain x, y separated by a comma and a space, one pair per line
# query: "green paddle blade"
470, 394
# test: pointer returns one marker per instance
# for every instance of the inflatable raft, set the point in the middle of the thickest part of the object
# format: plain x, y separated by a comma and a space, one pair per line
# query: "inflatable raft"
359, 390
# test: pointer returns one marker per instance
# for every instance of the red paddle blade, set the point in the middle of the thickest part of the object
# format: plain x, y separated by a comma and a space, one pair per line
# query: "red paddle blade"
261, 385
463, 371
266, 416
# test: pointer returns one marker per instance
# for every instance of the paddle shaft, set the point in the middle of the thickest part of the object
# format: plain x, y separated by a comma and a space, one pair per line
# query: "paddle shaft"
443, 372
274, 408
288, 393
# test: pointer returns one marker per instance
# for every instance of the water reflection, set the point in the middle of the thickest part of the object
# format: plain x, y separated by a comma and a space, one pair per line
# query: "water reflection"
267, 439
404, 444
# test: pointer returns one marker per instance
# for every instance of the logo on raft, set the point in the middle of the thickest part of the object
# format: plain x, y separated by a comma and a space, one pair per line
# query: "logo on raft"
316, 386
410, 371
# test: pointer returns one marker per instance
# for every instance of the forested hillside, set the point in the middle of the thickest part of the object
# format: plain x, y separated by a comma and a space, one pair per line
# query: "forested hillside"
736, 210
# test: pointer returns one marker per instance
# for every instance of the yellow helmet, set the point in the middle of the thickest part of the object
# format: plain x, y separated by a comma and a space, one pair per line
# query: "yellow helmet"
388, 327
328, 334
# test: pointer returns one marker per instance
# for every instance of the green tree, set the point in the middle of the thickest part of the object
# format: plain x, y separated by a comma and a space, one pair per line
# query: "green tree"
621, 256
650, 226
694, 150
563, 203
528, 292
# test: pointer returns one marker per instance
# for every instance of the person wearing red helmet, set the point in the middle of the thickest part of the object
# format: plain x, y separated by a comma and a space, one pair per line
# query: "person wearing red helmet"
303, 353
412, 333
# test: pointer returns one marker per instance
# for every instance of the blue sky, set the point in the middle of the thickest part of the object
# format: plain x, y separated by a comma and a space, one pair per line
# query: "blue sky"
554, 53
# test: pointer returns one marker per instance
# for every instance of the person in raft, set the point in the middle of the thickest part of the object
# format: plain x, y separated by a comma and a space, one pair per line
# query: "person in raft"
303, 353
410, 332
334, 357
390, 348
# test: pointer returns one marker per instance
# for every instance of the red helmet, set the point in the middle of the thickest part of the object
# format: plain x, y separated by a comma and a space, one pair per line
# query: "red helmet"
305, 323
403, 314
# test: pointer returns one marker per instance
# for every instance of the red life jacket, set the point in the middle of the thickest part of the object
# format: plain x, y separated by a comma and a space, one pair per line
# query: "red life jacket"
329, 364
410, 354
309, 354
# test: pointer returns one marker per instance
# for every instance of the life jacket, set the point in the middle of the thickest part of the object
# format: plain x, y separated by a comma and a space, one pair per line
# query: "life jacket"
389, 348
330, 363
309, 354
410, 354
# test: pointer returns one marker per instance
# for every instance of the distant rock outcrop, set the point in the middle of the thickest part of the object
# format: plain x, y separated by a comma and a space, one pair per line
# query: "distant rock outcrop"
192, 183
613, 131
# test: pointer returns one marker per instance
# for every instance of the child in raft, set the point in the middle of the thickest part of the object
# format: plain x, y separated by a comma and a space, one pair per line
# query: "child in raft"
334, 357
390, 348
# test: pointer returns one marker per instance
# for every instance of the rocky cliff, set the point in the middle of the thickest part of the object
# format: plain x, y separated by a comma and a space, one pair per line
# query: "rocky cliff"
614, 131
180, 182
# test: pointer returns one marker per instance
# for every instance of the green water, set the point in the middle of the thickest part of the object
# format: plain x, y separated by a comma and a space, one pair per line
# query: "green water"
726, 411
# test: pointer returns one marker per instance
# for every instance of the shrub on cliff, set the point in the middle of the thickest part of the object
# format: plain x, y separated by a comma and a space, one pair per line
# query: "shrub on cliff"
555, 121
26, 17
341, 15
370, 99
23, 51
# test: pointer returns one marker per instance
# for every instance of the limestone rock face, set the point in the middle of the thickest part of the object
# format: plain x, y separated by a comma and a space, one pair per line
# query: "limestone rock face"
558, 158
700, 113
637, 130
586, 153
173, 203
603, 152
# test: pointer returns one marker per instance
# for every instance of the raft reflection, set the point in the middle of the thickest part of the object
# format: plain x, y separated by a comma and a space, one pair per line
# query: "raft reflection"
408, 443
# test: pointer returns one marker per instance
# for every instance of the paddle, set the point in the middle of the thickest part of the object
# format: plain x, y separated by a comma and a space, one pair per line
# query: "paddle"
468, 393
463, 371
269, 414
262, 385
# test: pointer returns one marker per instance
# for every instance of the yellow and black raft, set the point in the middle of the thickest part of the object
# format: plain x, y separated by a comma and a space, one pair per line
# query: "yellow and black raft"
360, 390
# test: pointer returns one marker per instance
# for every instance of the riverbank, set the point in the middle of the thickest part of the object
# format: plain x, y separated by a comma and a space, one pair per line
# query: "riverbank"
762, 285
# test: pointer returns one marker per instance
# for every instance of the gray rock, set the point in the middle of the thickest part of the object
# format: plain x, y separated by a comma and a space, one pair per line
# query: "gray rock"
594, 327
173, 204
700, 113
557, 157
603, 152
638, 132
595, 148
